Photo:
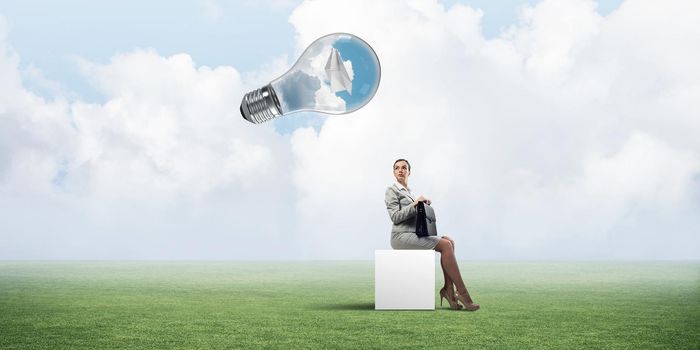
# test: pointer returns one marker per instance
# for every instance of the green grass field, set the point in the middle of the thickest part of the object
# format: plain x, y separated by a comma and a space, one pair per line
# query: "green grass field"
216, 305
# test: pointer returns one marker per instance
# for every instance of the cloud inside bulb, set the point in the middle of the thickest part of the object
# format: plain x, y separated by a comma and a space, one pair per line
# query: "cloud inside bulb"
299, 89
297, 93
337, 74
311, 86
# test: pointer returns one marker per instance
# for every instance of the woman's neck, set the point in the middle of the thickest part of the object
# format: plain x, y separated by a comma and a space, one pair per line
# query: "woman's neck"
404, 183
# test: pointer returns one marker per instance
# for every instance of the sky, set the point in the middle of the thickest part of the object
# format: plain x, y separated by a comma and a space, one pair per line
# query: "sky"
541, 130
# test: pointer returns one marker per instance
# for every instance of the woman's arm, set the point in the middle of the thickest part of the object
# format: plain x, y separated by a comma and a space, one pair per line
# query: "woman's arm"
396, 213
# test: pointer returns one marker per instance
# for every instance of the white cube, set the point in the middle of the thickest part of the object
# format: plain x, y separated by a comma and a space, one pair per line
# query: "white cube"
404, 280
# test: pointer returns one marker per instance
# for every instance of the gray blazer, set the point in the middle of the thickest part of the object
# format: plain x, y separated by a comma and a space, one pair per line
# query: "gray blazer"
398, 204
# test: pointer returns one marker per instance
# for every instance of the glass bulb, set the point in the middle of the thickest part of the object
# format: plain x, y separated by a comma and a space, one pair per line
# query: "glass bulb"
337, 74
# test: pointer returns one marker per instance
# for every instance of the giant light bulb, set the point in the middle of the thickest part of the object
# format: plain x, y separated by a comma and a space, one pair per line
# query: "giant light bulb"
337, 74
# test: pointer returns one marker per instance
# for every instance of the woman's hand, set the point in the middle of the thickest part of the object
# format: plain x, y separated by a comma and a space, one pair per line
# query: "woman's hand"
421, 199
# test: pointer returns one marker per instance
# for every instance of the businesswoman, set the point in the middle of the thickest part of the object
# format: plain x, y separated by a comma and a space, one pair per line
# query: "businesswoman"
401, 205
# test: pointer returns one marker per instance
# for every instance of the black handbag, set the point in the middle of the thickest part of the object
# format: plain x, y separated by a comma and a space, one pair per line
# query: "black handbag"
425, 220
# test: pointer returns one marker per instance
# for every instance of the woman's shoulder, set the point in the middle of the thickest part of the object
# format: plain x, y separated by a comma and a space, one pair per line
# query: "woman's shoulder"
391, 189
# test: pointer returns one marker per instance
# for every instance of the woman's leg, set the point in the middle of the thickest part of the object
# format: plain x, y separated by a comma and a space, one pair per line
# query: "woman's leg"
448, 281
450, 267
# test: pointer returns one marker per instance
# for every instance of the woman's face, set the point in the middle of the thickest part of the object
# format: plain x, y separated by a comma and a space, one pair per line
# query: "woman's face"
401, 171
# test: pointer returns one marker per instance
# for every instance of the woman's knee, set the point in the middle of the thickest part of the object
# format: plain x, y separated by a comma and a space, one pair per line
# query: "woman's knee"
444, 246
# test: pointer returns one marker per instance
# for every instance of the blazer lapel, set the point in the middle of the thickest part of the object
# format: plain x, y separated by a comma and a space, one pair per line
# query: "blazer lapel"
404, 193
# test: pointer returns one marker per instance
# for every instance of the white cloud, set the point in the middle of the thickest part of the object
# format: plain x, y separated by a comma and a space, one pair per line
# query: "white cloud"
644, 169
172, 125
328, 100
570, 136
551, 36
536, 144
165, 168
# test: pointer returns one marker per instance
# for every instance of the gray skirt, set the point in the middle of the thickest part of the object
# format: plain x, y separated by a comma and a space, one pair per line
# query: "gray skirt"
409, 240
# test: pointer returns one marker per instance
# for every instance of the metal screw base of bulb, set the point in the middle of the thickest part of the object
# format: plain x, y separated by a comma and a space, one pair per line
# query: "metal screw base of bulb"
260, 105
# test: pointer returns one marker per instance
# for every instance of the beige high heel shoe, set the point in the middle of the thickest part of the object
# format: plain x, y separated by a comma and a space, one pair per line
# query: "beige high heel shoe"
467, 301
454, 305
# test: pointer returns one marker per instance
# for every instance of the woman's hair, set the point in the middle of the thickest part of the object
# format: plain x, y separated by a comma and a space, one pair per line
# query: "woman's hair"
402, 160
